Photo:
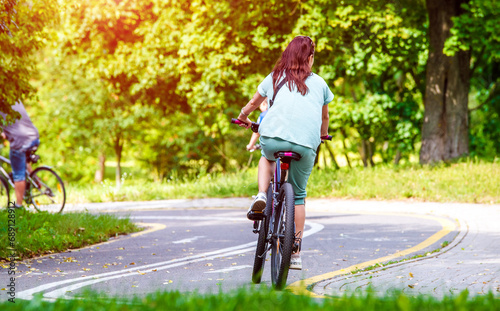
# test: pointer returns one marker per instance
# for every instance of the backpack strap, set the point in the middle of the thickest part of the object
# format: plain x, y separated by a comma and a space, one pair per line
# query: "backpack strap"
276, 92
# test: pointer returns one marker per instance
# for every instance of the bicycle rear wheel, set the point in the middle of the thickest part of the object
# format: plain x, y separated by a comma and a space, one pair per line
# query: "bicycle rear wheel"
47, 192
283, 236
261, 251
4, 193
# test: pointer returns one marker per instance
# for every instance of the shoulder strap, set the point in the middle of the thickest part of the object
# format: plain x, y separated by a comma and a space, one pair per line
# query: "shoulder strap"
276, 92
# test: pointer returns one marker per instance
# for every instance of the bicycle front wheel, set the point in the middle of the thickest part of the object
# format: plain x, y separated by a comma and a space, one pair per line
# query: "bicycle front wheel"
262, 243
283, 236
47, 192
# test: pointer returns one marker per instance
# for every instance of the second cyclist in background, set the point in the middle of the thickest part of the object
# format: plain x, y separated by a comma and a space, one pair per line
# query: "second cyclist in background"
22, 136
295, 121
255, 136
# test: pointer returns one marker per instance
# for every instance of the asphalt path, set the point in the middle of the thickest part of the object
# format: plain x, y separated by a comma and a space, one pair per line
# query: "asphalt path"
208, 246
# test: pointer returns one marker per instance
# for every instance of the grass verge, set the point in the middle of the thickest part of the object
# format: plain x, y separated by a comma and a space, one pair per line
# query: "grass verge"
264, 299
466, 182
36, 234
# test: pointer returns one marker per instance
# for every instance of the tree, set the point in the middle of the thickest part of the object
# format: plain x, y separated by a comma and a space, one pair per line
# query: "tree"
445, 128
477, 31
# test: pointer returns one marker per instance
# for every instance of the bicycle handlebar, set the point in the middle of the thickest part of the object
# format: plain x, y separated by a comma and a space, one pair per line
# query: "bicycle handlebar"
255, 127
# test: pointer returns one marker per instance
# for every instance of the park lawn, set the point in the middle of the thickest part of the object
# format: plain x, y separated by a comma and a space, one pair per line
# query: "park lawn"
466, 182
261, 298
42, 233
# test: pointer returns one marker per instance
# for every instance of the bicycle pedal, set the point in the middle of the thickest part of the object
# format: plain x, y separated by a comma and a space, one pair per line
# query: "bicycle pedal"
255, 216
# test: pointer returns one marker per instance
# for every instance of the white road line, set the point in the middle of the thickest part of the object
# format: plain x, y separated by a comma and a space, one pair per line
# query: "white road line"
230, 269
93, 279
189, 240
221, 218
61, 292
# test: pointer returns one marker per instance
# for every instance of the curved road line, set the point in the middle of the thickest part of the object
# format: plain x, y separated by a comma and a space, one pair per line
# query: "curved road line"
152, 228
301, 287
97, 278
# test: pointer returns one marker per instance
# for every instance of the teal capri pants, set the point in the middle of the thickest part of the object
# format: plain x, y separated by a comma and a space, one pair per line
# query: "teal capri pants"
299, 171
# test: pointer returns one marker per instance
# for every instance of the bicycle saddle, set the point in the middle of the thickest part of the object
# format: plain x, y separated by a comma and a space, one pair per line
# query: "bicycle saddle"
31, 156
285, 155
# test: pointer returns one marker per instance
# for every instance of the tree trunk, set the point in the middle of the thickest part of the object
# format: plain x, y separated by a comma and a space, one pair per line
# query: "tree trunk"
445, 128
118, 154
370, 147
363, 152
99, 173
332, 156
344, 137
397, 158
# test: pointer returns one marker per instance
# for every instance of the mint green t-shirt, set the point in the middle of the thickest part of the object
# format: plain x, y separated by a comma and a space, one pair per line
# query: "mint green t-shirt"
295, 117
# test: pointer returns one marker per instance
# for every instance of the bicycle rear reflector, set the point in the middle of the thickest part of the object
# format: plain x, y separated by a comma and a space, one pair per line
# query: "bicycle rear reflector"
285, 166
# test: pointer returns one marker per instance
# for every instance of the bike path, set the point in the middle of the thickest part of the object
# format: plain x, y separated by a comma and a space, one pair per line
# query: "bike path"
470, 262
211, 250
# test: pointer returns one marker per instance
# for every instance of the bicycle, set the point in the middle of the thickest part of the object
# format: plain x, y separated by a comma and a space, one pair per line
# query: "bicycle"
276, 224
44, 188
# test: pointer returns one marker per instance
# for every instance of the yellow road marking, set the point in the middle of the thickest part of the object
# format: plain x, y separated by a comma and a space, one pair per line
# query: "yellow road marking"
154, 227
300, 287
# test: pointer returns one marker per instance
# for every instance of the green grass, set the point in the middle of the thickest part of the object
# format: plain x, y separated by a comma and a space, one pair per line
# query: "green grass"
42, 233
215, 185
460, 182
263, 299
467, 182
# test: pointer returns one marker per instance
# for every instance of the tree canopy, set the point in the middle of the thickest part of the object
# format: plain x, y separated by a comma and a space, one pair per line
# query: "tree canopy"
22, 25
158, 81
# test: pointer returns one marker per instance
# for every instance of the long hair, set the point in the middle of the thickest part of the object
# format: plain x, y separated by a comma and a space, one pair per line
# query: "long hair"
294, 64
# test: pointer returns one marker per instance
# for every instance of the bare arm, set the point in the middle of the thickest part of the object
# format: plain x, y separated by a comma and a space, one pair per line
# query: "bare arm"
252, 105
325, 120
253, 140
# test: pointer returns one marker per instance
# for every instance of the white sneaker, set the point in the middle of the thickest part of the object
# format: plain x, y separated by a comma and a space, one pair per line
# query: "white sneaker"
258, 205
296, 262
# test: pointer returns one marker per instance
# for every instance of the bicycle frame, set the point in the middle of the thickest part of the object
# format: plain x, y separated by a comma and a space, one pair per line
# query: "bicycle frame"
279, 178
4, 172
29, 180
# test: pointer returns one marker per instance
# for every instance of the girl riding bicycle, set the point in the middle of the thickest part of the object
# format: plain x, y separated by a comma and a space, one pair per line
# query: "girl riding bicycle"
294, 122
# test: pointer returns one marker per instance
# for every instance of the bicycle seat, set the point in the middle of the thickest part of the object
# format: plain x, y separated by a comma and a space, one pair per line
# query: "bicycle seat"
31, 156
287, 155
32, 149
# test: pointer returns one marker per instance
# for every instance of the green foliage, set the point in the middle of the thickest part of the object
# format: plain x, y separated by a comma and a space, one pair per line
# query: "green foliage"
156, 82
173, 71
374, 54
21, 34
477, 28
40, 233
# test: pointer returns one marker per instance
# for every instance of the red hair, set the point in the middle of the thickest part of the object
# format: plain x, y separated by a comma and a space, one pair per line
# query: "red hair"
294, 64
